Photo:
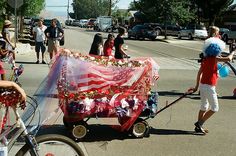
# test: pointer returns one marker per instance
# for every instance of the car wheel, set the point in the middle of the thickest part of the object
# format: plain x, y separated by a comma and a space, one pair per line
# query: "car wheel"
136, 37
179, 36
190, 36
158, 32
152, 38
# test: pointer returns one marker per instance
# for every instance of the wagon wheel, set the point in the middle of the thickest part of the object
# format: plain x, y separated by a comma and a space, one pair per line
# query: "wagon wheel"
140, 128
79, 130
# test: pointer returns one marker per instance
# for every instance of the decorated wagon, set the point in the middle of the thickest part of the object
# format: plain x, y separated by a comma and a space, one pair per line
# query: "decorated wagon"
92, 86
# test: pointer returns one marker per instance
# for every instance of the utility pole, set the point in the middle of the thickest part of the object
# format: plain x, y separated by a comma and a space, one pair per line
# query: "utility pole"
110, 5
68, 9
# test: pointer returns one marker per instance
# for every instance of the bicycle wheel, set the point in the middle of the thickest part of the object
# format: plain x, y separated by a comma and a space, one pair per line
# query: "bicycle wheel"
53, 145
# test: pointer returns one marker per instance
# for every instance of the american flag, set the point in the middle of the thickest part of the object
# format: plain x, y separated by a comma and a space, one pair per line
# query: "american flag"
89, 76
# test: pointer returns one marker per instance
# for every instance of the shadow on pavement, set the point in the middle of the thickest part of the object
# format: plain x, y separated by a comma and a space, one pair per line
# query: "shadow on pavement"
101, 133
228, 97
96, 133
23, 62
148, 40
170, 132
170, 93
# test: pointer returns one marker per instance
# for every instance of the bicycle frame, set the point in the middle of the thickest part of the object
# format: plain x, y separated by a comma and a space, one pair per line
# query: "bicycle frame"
21, 131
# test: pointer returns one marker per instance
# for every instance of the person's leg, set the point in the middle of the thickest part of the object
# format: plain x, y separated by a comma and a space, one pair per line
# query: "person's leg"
213, 100
203, 109
43, 49
207, 115
56, 47
201, 113
50, 48
37, 49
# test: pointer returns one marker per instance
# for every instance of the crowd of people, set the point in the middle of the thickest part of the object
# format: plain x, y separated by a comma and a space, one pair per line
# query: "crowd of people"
105, 49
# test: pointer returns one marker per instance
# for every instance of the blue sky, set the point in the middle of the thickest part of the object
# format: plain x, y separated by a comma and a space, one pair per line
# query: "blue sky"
123, 4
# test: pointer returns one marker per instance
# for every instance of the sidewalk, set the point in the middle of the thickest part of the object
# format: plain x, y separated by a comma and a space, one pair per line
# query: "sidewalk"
23, 48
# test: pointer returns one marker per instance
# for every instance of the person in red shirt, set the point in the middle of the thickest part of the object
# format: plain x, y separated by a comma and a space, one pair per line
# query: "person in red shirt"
207, 78
108, 45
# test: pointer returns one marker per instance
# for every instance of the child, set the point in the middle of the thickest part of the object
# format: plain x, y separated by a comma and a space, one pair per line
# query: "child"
207, 78
119, 41
108, 45
97, 45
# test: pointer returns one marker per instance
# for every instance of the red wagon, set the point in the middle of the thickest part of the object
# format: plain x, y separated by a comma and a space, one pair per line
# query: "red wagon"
104, 87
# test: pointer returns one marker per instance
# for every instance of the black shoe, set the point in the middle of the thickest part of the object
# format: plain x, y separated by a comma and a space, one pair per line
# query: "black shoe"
43, 62
199, 129
37, 62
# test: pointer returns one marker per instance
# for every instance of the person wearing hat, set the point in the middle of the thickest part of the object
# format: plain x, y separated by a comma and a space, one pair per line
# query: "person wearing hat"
40, 37
6, 36
9, 46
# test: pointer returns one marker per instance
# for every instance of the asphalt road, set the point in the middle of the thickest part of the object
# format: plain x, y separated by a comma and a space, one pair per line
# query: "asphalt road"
172, 130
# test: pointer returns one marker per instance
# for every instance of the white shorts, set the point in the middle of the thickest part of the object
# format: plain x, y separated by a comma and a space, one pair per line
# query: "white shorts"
208, 96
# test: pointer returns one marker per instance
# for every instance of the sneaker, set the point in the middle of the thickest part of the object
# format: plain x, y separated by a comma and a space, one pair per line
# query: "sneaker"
37, 62
43, 62
199, 129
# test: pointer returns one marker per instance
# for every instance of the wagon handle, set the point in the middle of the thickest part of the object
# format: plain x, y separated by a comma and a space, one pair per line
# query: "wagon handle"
172, 103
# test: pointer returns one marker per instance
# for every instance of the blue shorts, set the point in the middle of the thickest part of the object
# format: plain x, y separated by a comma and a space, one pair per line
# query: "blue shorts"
40, 46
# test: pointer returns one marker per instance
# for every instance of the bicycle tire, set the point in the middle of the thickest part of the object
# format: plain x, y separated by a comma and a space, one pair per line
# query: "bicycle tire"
52, 137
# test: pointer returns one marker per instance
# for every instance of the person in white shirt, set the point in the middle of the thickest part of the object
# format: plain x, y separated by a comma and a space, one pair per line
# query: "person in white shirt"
40, 37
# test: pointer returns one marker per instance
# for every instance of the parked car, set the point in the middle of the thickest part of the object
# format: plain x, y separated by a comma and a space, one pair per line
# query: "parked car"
47, 22
193, 31
227, 34
75, 23
27, 20
142, 32
222, 31
83, 23
90, 23
68, 22
156, 26
103, 23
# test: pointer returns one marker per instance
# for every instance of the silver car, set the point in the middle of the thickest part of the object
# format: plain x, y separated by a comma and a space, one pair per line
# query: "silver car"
193, 31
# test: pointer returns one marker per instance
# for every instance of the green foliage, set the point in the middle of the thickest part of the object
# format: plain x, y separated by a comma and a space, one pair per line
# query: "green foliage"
91, 8
120, 14
32, 7
166, 10
212, 9
132, 6
29, 8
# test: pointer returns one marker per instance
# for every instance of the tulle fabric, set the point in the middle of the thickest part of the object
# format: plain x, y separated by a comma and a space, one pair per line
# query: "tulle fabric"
94, 86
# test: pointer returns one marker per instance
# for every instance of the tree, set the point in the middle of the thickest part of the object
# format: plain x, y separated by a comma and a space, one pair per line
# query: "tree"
166, 10
32, 8
212, 9
132, 6
91, 8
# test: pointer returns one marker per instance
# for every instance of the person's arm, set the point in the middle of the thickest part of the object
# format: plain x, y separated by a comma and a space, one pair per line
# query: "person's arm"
199, 74
227, 58
61, 32
6, 37
14, 86
47, 32
121, 49
34, 33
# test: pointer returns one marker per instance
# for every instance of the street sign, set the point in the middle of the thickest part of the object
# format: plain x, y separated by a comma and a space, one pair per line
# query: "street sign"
15, 3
